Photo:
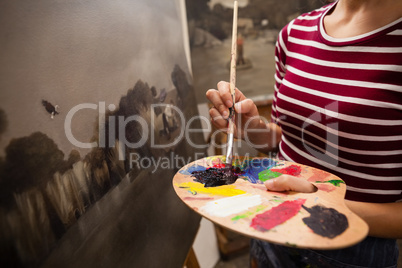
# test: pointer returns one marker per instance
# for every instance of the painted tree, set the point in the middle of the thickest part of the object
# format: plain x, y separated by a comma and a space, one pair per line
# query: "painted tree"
31, 161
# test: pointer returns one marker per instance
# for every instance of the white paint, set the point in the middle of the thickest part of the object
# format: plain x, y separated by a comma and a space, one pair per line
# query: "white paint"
231, 205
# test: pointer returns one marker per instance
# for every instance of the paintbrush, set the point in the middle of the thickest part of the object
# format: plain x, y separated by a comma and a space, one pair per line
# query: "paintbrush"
230, 132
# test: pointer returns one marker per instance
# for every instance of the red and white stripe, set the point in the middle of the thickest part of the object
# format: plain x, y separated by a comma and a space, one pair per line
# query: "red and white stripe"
339, 103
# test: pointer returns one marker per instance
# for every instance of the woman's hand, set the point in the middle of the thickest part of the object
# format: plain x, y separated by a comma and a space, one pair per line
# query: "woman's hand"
221, 100
249, 126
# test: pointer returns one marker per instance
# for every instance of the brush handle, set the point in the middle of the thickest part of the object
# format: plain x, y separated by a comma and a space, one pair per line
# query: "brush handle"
232, 86
233, 52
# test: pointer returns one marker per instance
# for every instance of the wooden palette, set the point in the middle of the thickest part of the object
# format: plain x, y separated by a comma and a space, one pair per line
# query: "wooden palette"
318, 220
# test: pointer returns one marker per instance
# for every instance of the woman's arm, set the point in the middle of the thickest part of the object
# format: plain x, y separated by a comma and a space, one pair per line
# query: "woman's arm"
384, 219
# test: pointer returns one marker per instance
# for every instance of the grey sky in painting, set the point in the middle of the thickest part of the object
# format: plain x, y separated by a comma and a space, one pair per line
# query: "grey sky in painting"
76, 51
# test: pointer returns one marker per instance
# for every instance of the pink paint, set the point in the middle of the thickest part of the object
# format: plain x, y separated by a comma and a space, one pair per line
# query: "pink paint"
259, 187
325, 187
189, 198
277, 215
318, 175
293, 170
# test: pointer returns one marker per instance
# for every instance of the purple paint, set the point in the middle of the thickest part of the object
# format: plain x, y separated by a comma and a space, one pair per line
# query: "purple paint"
216, 176
327, 222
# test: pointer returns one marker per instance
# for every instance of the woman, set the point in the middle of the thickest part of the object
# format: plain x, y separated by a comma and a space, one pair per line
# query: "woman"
337, 107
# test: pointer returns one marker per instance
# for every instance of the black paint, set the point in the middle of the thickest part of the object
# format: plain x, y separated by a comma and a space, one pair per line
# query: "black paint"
217, 176
326, 222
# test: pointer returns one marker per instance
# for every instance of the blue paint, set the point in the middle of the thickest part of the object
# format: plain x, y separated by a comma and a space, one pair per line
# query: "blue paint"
192, 168
251, 168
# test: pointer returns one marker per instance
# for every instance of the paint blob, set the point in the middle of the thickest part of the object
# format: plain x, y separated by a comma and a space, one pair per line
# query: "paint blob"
336, 183
252, 168
277, 215
318, 175
292, 170
216, 176
231, 205
225, 190
219, 165
265, 175
192, 169
248, 213
325, 187
268, 174
326, 222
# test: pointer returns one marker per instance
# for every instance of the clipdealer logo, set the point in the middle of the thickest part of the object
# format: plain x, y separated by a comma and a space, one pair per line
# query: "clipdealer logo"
147, 128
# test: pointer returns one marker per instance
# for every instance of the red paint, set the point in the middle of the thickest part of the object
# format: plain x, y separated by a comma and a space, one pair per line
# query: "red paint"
219, 165
277, 215
293, 170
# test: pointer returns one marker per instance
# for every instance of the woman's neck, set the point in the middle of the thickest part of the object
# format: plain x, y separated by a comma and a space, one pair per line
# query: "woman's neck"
355, 17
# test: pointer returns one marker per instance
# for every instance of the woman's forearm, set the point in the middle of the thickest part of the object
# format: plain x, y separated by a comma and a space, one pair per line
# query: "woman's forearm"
384, 219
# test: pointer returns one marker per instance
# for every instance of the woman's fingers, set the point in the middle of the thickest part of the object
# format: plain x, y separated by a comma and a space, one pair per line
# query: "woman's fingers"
216, 100
246, 106
289, 183
226, 96
217, 119
224, 92
221, 99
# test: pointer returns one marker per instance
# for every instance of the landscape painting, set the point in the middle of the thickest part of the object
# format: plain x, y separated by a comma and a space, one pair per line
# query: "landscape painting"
96, 100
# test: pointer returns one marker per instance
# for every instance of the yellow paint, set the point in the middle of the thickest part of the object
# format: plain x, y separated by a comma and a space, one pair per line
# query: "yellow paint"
216, 158
213, 160
226, 190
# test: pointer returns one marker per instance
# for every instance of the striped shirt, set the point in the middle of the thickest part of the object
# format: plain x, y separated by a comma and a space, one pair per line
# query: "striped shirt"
339, 103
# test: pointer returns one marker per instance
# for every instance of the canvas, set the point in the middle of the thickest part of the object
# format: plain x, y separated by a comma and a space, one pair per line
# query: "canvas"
97, 112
